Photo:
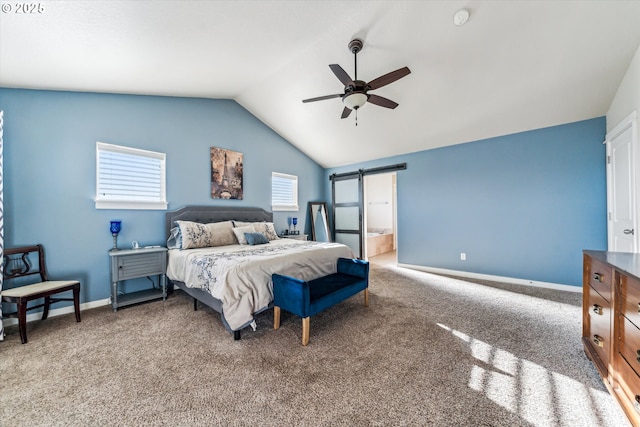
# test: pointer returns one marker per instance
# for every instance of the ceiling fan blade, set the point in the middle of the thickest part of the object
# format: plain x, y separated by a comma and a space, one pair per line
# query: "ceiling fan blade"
382, 102
388, 78
322, 98
345, 113
341, 74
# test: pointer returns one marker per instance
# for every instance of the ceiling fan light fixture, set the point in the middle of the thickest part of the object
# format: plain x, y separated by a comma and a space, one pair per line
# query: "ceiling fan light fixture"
354, 100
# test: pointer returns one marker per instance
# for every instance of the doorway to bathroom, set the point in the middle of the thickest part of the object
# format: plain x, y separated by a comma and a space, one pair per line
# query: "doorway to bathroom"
380, 218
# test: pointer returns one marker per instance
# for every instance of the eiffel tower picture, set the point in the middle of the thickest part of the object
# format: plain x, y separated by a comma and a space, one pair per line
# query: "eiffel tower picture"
226, 174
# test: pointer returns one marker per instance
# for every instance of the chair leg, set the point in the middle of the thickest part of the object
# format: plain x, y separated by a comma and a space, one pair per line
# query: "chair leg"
276, 317
76, 302
22, 320
366, 297
45, 311
305, 331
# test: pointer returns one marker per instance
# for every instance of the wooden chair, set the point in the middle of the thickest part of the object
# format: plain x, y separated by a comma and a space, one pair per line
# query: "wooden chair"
17, 265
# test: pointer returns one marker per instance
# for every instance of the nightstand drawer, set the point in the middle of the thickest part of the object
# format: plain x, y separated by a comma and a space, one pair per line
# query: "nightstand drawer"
140, 265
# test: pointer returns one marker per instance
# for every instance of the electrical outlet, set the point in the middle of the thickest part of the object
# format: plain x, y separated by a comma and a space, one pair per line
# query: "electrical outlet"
463, 256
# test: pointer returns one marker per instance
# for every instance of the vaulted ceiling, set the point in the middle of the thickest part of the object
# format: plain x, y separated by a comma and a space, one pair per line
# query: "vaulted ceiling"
514, 66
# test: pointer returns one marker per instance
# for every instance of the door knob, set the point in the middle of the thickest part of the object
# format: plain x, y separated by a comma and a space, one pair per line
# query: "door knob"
627, 231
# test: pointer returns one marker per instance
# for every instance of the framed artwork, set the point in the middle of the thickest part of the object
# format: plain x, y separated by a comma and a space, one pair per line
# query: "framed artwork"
226, 174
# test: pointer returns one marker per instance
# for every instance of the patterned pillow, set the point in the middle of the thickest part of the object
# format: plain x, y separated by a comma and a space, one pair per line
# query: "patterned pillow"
175, 239
239, 232
196, 235
256, 238
221, 233
267, 229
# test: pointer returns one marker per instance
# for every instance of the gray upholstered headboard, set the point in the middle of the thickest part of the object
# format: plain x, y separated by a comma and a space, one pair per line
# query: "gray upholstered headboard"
207, 214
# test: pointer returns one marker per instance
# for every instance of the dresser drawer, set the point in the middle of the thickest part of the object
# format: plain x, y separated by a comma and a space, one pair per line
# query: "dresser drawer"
599, 325
628, 389
629, 342
630, 298
601, 278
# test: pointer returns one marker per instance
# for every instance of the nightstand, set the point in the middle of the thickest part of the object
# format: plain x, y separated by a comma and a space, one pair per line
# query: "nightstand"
134, 263
294, 236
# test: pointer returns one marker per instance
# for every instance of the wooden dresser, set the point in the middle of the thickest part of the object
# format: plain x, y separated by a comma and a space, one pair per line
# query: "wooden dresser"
611, 323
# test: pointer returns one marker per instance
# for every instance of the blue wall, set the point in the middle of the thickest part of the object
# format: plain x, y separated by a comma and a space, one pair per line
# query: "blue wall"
50, 170
521, 206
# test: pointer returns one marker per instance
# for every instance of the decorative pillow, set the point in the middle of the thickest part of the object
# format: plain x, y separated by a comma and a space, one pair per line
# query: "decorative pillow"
175, 239
267, 229
256, 238
221, 233
239, 232
196, 235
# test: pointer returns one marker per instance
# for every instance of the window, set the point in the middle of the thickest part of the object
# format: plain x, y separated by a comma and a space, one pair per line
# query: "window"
129, 178
284, 192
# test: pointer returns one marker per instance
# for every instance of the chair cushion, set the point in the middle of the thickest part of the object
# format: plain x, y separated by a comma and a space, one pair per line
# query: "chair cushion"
37, 288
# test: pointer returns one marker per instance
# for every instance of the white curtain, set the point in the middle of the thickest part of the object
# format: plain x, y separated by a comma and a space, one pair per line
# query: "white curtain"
1, 229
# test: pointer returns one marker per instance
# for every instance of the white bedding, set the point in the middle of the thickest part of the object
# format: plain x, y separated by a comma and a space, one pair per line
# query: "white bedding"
240, 275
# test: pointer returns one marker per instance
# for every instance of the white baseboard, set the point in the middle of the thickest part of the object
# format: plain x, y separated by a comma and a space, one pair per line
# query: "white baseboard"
500, 279
60, 311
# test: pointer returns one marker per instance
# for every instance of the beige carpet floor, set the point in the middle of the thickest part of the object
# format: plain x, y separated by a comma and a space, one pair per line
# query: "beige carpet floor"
428, 351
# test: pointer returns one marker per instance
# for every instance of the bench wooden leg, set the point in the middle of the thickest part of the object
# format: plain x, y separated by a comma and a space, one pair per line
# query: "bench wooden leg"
276, 317
366, 297
305, 331
45, 311
22, 320
76, 302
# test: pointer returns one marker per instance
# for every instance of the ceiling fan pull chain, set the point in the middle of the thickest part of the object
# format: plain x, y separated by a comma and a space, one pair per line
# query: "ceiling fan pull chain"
357, 116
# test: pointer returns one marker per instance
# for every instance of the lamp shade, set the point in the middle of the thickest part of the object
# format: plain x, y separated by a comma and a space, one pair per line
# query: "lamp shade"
355, 100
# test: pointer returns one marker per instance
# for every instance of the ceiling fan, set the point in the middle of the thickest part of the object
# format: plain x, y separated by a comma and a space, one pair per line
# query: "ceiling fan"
356, 91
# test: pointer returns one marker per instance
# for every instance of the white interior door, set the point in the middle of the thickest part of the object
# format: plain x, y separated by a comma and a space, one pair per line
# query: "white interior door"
622, 188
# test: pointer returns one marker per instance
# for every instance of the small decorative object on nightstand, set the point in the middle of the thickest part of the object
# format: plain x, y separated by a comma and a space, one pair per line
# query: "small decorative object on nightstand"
133, 263
115, 227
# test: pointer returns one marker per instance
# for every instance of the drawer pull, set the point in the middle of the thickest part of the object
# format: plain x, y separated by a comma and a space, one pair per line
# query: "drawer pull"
639, 307
636, 404
638, 356
598, 340
597, 309
597, 277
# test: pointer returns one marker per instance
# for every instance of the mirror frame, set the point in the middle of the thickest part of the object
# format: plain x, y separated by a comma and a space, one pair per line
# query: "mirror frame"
323, 205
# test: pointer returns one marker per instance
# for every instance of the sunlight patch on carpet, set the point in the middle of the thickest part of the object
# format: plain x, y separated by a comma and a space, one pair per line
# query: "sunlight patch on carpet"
525, 388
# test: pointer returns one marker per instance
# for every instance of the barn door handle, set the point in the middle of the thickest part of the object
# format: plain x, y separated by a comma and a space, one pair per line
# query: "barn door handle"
627, 231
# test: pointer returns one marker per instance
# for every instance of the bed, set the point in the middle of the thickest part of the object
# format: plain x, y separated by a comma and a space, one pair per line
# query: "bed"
235, 279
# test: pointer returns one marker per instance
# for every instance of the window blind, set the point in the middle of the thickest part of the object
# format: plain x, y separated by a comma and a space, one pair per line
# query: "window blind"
130, 178
284, 192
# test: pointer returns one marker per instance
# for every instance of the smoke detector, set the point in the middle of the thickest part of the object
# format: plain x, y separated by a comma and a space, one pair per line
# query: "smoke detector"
461, 17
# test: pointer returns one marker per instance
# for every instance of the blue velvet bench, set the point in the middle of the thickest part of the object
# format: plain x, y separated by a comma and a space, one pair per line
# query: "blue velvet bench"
306, 299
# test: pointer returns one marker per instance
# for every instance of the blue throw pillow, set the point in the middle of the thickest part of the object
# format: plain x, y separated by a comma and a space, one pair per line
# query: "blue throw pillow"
256, 238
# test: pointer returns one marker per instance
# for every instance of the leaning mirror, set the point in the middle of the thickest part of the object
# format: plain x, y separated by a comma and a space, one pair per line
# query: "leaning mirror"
319, 222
